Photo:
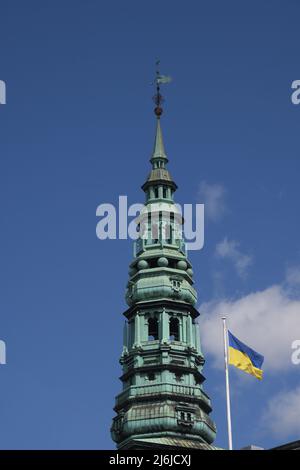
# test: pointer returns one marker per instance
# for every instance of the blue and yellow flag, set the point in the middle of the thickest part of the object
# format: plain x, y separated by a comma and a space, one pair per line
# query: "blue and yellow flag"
243, 357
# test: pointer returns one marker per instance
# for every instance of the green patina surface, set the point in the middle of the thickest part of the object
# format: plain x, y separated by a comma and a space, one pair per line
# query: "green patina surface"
162, 402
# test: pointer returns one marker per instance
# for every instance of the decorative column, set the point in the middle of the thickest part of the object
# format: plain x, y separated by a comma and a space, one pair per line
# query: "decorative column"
184, 333
165, 326
125, 338
190, 339
129, 334
197, 333
181, 329
137, 330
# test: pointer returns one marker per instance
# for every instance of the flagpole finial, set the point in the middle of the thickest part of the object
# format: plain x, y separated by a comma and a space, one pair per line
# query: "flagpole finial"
158, 98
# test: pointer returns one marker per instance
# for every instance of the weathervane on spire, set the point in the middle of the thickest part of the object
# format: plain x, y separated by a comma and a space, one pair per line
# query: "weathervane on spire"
158, 98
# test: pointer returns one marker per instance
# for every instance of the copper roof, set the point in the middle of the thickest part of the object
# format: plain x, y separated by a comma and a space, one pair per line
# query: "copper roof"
160, 175
177, 443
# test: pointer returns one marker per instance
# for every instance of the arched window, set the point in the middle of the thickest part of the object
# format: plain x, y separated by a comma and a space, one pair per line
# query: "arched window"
174, 329
155, 233
178, 377
156, 193
142, 230
168, 233
152, 329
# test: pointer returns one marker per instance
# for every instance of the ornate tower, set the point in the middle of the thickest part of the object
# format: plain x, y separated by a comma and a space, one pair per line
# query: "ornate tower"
163, 404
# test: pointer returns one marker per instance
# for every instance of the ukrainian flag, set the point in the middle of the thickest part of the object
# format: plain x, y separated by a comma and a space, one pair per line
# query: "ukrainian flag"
245, 358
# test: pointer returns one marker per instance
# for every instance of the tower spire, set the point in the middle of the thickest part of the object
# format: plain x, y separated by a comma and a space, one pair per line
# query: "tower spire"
159, 150
162, 403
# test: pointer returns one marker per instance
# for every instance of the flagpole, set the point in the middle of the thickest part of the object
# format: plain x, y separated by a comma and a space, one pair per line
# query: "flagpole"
227, 384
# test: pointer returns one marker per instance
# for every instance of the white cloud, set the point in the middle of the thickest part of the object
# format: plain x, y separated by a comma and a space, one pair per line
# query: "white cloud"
229, 249
213, 198
282, 415
266, 320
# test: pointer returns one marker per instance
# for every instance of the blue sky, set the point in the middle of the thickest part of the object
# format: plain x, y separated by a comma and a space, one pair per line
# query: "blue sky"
77, 131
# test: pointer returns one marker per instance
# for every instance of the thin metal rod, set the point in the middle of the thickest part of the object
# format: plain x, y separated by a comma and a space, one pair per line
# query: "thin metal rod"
227, 384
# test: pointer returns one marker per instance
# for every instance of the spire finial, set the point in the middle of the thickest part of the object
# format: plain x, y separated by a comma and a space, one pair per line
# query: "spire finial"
158, 98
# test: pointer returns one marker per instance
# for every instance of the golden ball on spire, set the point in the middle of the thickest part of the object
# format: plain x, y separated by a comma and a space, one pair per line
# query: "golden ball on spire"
158, 111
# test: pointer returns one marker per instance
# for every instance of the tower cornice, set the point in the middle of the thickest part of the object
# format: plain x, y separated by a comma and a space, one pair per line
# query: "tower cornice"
160, 304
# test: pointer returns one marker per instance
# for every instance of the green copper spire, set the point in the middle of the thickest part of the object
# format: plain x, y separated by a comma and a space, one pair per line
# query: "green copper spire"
163, 404
159, 184
159, 149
